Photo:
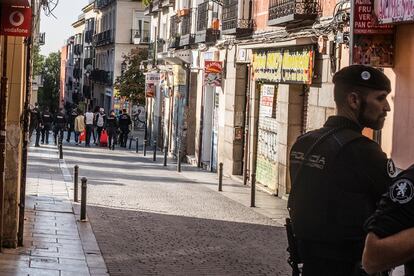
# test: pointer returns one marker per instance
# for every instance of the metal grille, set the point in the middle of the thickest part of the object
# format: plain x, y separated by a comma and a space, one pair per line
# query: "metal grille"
173, 26
281, 8
186, 24
202, 16
230, 9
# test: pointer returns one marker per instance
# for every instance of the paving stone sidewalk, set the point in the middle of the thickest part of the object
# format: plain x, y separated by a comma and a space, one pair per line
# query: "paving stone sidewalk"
55, 242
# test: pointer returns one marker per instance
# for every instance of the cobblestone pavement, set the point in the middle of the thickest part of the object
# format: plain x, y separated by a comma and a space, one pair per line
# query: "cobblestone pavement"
151, 220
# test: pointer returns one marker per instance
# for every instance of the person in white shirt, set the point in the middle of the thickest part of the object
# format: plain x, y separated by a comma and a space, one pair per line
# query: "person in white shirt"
89, 126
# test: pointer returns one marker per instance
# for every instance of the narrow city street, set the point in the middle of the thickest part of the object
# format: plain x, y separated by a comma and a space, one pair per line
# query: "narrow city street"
151, 220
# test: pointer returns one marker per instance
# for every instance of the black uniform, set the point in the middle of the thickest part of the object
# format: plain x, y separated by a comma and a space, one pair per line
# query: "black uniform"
335, 191
35, 123
396, 210
47, 120
71, 124
59, 126
112, 128
124, 123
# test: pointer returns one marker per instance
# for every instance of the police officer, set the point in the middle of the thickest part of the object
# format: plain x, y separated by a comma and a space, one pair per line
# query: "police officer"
391, 228
338, 175
47, 120
112, 128
59, 125
35, 123
124, 123
71, 123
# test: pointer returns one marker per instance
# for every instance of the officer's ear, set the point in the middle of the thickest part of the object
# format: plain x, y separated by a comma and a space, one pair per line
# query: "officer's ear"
354, 100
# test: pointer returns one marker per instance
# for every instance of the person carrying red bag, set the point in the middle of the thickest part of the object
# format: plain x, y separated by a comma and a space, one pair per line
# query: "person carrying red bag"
79, 127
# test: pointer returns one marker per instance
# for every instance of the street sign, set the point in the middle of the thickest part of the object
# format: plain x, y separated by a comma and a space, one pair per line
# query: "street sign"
16, 21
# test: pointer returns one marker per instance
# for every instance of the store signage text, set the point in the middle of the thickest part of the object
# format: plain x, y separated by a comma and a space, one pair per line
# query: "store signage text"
289, 65
213, 73
394, 11
365, 20
16, 21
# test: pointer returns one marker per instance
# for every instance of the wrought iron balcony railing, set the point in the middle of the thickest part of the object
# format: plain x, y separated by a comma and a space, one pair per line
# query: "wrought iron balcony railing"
100, 4
103, 38
285, 12
174, 42
207, 27
101, 77
140, 37
151, 51
231, 23
186, 24
89, 36
77, 49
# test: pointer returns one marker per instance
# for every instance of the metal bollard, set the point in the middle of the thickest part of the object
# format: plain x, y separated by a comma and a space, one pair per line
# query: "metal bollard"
130, 142
60, 151
154, 157
253, 191
179, 161
75, 183
165, 156
136, 145
83, 200
220, 186
145, 147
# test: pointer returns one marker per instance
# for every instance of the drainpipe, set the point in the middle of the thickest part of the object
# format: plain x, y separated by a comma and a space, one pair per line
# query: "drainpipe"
3, 117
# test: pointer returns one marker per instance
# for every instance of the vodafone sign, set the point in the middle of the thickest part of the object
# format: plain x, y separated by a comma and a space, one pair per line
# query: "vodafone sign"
15, 21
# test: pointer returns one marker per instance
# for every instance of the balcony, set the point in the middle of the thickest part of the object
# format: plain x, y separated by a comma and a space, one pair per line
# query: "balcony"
103, 38
186, 37
86, 62
167, 3
174, 42
140, 37
207, 26
287, 12
77, 73
101, 4
160, 45
235, 18
101, 77
89, 36
77, 49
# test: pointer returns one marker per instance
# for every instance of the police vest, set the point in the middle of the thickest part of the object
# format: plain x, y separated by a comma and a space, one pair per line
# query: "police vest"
315, 201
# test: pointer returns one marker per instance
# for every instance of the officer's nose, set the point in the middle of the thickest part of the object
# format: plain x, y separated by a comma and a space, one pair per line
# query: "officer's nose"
387, 106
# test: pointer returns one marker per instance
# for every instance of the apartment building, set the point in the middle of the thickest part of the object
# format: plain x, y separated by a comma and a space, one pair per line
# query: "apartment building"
105, 31
221, 94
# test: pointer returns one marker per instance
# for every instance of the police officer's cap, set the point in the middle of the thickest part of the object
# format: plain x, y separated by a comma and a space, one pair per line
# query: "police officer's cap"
361, 75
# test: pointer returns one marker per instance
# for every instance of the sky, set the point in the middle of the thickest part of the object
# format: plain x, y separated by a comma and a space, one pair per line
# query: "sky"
60, 29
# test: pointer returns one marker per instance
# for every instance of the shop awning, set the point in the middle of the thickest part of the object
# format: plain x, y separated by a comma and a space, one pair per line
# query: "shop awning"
22, 3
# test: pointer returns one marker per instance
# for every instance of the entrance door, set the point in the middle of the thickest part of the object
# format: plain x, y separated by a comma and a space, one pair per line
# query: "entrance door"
266, 159
214, 140
206, 151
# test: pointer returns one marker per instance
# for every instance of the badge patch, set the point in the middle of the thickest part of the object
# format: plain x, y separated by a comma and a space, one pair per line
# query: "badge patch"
402, 191
365, 75
391, 169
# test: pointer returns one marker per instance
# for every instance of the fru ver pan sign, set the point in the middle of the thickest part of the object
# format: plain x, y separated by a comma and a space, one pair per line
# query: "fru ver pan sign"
284, 65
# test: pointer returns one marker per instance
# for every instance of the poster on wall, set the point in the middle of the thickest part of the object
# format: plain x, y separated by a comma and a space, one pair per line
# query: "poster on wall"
394, 11
267, 97
213, 73
373, 43
284, 65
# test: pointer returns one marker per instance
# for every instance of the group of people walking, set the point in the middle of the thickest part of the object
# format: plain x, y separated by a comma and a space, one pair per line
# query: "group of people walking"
85, 126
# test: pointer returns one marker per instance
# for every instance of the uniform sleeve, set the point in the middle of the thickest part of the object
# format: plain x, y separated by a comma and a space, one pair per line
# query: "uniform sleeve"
395, 212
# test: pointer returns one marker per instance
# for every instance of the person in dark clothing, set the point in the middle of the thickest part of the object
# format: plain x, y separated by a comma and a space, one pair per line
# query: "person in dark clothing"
124, 123
47, 120
71, 124
35, 123
390, 242
112, 129
338, 175
59, 126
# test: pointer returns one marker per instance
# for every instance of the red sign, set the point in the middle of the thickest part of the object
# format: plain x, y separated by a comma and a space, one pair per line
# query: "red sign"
16, 21
365, 20
212, 73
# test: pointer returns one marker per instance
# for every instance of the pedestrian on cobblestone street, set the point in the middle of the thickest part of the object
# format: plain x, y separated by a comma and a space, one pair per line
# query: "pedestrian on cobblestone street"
89, 127
112, 129
124, 125
35, 123
79, 126
100, 121
59, 122
47, 120
338, 175
71, 123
